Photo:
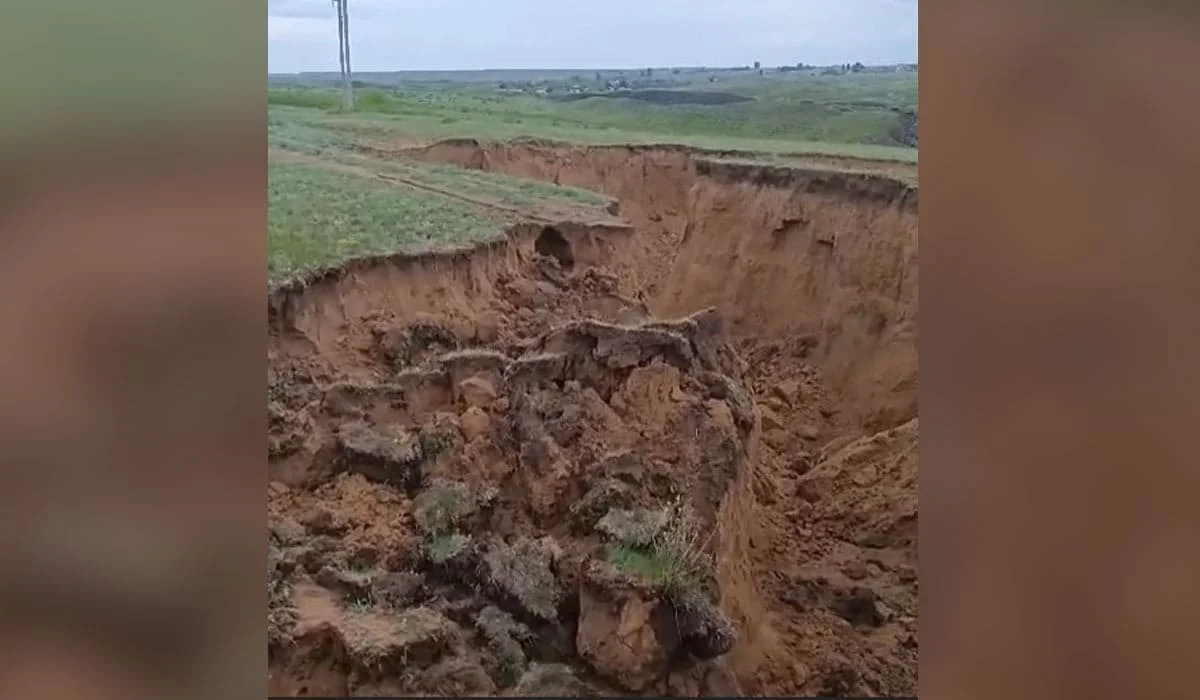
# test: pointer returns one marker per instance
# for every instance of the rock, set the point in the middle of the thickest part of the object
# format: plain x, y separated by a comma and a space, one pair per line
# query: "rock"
456, 677
403, 345
801, 511
800, 464
632, 315
770, 420
635, 528
440, 508
400, 589
548, 290
809, 432
789, 391
349, 585
625, 632
598, 501
855, 570
287, 531
523, 574
866, 475
453, 556
364, 557
313, 555
476, 392
705, 631
906, 573
487, 328
522, 292
278, 488
776, 404
778, 439
388, 643
473, 423
396, 460
812, 490
859, 606
345, 399
800, 673
320, 522
505, 637
708, 679
550, 681
438, 438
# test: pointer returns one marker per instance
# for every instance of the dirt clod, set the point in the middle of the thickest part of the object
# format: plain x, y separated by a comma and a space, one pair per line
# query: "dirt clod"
625, 631
393, 459
350, 585
400, 589
522, 573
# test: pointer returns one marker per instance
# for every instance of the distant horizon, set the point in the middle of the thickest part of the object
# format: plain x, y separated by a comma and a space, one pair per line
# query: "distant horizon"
591, 69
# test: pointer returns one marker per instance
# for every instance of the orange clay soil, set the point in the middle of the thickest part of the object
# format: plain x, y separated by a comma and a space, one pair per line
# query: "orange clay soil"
675, 456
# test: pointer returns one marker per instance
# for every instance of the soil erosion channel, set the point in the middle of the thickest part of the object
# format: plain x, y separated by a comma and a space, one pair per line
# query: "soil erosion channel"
673, 453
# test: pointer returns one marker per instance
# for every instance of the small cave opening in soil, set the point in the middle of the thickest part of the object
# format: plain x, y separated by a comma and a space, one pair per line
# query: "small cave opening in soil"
742, 455
551, 243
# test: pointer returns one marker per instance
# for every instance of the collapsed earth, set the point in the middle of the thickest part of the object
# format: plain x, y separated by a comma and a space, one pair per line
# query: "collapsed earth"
661, 444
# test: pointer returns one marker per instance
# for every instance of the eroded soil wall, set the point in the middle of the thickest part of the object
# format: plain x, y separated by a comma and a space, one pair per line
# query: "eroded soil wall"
781, 252
811, 275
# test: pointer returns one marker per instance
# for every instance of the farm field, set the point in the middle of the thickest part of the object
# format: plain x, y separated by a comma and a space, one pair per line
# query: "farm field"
864, 115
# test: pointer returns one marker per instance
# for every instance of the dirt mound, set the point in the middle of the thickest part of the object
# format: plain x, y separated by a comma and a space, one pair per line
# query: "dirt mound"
483, 513
494, 471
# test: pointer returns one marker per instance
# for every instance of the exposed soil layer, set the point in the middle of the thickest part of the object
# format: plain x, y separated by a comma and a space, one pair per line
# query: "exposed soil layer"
676, 456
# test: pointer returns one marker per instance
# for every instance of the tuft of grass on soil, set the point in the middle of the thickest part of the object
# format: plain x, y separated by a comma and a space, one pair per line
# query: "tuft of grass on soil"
443, 548
318, 219
438, 509
672, 555
523, 571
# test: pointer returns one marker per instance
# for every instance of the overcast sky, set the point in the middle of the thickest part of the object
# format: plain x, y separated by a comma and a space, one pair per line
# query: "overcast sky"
472, 34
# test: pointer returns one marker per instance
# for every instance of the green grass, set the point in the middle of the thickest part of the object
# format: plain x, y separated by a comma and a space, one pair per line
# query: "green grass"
656, 568
852, 115
849, 109
334, 146
367, 127
317, 218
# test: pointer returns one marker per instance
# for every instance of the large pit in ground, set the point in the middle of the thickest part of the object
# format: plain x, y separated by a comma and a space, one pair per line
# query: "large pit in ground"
670, 457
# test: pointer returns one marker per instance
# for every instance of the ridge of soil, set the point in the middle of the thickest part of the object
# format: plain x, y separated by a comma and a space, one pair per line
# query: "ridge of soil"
780, 409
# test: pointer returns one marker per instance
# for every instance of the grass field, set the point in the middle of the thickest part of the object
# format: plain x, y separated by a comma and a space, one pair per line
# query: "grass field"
318, 218
330, 202
367, 127
334, 146
855, 114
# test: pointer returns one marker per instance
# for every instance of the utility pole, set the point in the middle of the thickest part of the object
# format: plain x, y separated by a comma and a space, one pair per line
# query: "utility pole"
344, 54
349, 71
